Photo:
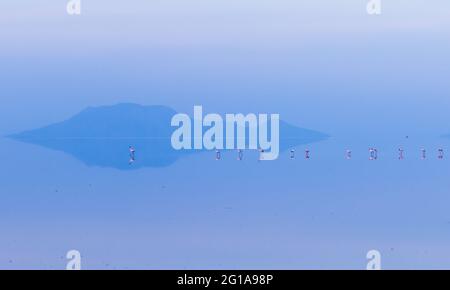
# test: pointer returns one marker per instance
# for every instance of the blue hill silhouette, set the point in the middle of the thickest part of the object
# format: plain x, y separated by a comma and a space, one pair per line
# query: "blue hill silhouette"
101, 136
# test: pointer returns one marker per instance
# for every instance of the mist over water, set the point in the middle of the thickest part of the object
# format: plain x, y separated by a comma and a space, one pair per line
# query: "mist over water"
365, 82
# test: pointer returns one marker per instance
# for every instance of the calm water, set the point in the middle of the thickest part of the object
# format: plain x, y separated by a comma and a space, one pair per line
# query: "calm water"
326, 212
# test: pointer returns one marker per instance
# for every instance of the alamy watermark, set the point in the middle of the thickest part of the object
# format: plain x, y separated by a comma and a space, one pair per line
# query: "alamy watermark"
73, 7
373, 257
235, 127
74, 260
374, 260
374, 7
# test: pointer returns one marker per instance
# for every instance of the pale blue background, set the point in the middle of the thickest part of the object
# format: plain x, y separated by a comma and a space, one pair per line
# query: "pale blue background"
324, 65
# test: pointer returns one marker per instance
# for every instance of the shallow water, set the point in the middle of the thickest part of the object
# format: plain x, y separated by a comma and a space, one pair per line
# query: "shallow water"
325, 212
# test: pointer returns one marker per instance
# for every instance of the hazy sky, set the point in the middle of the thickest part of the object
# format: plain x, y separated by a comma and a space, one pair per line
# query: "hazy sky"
327, 65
